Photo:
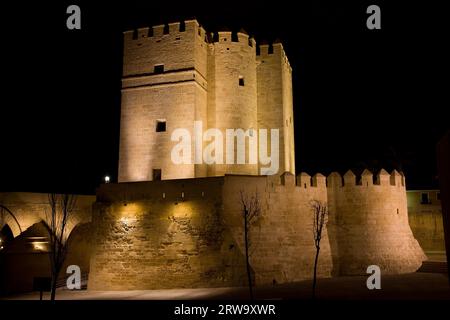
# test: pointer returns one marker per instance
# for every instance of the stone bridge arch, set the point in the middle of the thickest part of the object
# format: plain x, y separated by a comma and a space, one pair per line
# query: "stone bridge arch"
21, 210
8, 219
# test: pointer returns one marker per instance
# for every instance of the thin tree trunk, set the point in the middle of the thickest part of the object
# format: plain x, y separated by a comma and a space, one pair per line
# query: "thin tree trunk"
53, 285
249, 275
53, 289
315, 273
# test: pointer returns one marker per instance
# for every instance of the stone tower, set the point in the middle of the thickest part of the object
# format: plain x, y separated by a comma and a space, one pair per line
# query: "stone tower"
232, 67
275, 105
177, 76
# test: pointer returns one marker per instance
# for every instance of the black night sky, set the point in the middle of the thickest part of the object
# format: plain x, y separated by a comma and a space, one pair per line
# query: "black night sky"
362, 98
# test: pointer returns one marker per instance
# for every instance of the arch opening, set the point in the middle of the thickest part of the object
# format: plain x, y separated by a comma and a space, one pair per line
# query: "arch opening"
6, 236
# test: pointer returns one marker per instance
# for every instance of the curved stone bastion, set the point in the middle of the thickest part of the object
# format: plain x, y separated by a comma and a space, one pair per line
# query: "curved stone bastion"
369, 224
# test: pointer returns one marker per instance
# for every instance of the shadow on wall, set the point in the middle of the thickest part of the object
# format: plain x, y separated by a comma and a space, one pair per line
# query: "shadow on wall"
26, 257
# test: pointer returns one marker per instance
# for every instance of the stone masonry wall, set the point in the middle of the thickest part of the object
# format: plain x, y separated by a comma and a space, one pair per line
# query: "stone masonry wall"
426, 221
189, 233
168, 234
282, 243
142, 149
369, 224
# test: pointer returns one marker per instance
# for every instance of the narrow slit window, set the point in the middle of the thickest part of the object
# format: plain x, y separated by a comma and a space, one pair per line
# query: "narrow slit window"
241, 81
425, 199
161, 126
157, 177
159, 69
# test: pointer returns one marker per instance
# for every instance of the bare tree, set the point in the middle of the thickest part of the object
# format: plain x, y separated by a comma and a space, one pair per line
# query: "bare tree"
61, 209
320, 218
251, 210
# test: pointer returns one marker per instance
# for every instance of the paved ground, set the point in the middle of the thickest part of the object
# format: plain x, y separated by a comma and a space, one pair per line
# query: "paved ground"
408, 286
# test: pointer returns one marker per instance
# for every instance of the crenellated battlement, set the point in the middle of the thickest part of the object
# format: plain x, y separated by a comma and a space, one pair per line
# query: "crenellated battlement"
170, 30
164, 29
170, 47
366, 179
306, 181
180, 28
337, 181
272, 50
266, 49
231, 38
301, 181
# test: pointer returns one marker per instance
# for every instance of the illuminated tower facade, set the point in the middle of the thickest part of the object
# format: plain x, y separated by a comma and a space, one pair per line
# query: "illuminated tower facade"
178, 75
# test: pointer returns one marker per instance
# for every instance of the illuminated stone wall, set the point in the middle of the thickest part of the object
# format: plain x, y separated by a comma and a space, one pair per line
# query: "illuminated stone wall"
189, 233
159, 240
426, 222
282, 242
177, 96
163, 234
235, 105
200, 82
369, 224
275, 104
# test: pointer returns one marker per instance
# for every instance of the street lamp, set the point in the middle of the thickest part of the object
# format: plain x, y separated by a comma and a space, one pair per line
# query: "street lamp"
107, 179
